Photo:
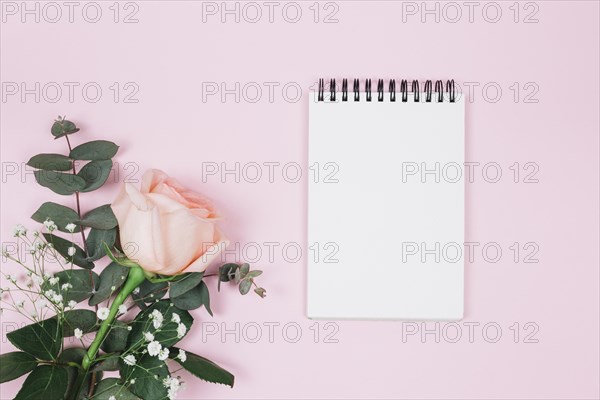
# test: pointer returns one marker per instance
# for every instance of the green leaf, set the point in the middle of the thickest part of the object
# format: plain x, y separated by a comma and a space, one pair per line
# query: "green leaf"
203, 368
113, 275
186, 283
73, 354
193, 299
83, 285
150, 292
227, 273
95, 173
48, 382
60, 182
254, 274
116, 340
15, 364
42, 339
51, 162
83, 319
62, 127
148, 373
244, 268
111, 363
245, 286
167, 335
62, 247
95, 150
61, 215
109, 388
100, 218
95, 242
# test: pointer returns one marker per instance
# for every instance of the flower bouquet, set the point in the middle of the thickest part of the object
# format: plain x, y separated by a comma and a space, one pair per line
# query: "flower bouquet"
159, 240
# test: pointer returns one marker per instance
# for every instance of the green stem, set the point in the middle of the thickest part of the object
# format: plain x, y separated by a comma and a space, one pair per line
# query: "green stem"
135, 278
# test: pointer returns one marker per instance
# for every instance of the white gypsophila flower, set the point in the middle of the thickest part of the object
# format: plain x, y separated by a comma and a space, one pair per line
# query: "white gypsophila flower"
181, 331
72, 304
49, 293
163, 354
157, 319
42, 303
130, 359
173, 385
136, 290
71, 251
129, 328
112, 398
57, 298
102, 313
71, 227
78, 333
122, 309
50, 225
175, 318
113, 288
66, 286
38, 280
10, 278
148, 336
182, 356
20, 230
54, 280
132, 382
154, 348
20, 304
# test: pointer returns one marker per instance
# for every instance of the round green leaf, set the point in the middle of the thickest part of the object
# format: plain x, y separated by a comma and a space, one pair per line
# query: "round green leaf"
62, 127
95, 150
83, 284
60, 182
51, 162
95, 173
245, 286
48, 382
113, 275
15, 364
61, 215
193, 299
95, 242
100, 218
116, 340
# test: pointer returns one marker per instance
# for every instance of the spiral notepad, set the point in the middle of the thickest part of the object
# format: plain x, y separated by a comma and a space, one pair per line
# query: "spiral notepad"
386, 200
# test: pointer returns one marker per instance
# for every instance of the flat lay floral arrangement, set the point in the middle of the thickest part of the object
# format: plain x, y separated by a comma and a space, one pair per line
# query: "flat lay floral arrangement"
159, 238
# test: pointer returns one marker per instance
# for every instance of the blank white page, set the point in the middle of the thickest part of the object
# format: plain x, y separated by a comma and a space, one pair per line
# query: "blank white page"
386, 209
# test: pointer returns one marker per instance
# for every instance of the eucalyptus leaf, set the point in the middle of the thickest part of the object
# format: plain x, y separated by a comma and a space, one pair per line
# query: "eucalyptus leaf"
112, 276
110, 388
100, 218
95, 150
185, 283
116, 340
85, 320
110, 363
41, 340
62, 247
245, 286
61, 215
148, 373
83, 284
150, 292
203, 368
254, 274
60, 182
63, 127
193, 299
15, 364
244, 268
95, 174
51, 162
48, 382
95, 242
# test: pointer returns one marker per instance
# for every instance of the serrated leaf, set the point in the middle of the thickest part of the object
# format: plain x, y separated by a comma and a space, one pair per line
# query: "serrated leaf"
51, 162
203, 368
15, 364
60, 182
116, 340
95, 174
192, 299
167, 335
148, 373
83, 319
63, 127
95, 150
95, 242
62, 247
113, 275
83, 283
61, 215
186, 283
110, 388
48, 382
100, 218
42, 339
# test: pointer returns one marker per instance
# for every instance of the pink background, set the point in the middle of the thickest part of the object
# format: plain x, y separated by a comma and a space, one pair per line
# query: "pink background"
171, 51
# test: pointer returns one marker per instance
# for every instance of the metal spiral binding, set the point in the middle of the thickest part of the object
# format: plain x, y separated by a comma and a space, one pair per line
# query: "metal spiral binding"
429, 89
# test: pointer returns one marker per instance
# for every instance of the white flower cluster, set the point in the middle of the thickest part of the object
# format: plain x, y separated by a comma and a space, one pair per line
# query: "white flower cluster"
173, 385
50, 225
54, 297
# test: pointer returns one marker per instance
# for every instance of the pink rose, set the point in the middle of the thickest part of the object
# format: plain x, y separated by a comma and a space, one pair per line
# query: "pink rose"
171, 230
